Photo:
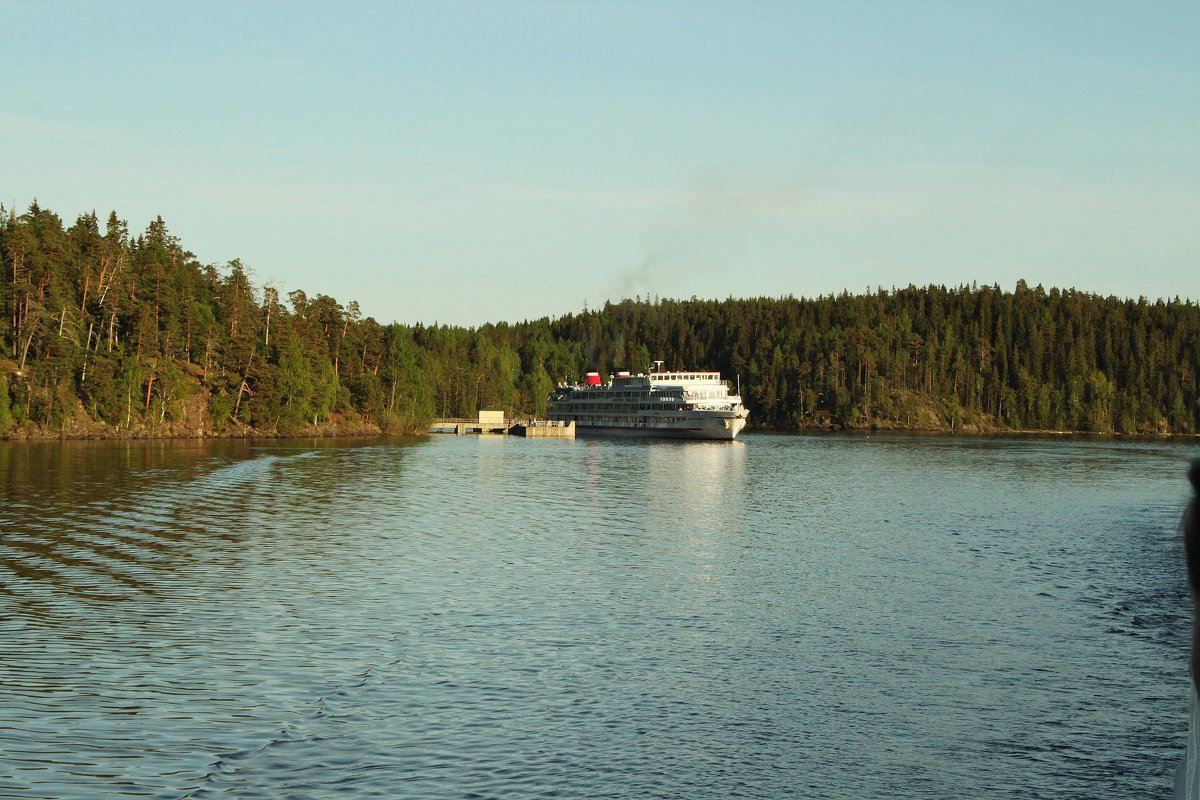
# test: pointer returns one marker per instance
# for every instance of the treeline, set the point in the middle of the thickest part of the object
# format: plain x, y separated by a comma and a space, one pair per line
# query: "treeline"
928, 358
106, 332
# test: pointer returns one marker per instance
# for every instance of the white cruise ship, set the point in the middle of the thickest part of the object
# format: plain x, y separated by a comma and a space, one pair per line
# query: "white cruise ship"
680, 405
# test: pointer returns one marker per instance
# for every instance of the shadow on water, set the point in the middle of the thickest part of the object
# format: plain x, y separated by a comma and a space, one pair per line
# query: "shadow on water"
105, 521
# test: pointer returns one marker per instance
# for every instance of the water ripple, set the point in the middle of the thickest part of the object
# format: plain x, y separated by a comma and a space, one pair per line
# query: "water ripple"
840, 617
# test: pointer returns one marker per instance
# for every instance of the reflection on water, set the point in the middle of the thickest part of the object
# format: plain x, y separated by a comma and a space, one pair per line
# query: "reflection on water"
843, 617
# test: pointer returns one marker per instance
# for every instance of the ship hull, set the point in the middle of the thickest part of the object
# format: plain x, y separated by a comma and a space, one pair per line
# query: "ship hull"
711, 428
696, 434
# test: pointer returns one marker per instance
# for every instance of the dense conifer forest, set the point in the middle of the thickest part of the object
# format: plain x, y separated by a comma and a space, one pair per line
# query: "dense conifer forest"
106, 333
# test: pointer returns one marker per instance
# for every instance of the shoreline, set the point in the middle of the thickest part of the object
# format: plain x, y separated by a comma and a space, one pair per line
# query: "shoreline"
369, 430
972, 431
338, 428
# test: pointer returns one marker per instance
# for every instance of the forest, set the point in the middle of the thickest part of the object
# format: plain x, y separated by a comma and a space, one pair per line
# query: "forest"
107, 333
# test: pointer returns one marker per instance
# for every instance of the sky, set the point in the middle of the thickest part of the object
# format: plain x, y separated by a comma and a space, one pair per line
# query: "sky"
469, 162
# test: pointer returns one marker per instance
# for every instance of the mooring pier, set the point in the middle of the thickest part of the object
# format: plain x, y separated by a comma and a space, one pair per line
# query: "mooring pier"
495, 423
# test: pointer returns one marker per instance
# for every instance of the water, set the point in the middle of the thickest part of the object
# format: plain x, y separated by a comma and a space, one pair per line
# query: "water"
464, 617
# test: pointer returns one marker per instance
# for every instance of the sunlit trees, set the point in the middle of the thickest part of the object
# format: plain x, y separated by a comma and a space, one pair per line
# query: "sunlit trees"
130, 332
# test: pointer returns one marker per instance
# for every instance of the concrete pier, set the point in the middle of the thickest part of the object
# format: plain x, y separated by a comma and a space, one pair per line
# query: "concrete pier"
545, 429
465, 426
529, 428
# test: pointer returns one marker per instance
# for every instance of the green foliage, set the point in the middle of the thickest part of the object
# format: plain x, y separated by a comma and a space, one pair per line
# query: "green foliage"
133, 326
295, 385
169, 392
326, 391
220, 410
927, 357
102, 387
6, 418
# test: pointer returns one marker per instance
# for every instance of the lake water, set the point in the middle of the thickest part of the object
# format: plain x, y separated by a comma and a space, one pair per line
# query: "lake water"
466, 617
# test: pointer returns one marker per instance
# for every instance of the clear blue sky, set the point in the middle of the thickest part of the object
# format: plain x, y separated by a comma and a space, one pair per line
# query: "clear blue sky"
465, 162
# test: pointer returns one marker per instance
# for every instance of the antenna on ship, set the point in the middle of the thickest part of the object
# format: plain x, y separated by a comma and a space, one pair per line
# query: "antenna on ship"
658, 365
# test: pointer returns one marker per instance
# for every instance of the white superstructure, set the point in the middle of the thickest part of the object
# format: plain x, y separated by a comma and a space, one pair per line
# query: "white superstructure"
683, 405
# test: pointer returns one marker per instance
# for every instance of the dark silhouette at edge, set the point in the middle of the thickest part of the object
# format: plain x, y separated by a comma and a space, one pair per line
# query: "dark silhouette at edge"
1191, 544
1187, 774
